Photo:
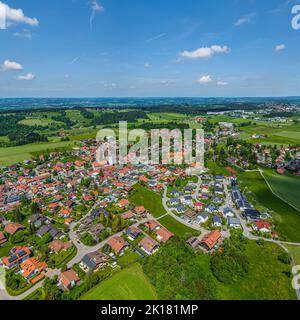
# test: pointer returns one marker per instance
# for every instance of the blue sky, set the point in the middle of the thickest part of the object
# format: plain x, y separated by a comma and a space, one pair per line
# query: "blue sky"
110, 48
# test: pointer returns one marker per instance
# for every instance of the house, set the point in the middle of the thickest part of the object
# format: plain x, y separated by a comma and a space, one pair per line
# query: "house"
202, 218
262, 226
118, 245
193, 242
180, 208
228, 212
128, 215
133, 233
140, 210
93, 261
152, 225
68, 279
163, 235
210, 240
123, 203
17, 255
187, 200
95, 230
32, 267
217, 222
13, 227
198, 205
234, 223
148, 245
37, 220
2, 238
174, 201
252, 214
49, 229
57, 246
211, 208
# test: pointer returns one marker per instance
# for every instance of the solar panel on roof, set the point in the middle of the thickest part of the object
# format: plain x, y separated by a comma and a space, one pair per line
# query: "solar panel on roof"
22, 253
12, 258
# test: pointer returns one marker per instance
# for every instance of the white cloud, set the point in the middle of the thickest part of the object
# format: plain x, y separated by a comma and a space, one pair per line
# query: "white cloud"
204, 52
17, 16
222, 83
161, 35
27, 77
147, 65
205, 79
95, 7
10, 65
23, 34
280, 47
244, 19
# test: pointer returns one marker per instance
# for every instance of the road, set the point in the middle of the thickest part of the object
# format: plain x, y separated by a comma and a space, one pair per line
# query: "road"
165, 199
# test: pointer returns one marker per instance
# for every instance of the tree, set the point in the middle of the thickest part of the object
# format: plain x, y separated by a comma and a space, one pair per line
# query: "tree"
285, 258
34, 208
17, 216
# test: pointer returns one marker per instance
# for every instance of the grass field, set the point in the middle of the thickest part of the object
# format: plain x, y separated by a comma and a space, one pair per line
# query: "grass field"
149, 199
20, 153
178, 228
295, 253
287, 187
128, 284
265, 270
287, 218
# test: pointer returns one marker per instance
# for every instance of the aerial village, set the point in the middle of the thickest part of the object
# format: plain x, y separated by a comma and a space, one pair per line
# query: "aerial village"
63, 214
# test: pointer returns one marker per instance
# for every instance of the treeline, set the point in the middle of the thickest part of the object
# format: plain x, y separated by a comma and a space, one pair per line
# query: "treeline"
169, 125
17, 133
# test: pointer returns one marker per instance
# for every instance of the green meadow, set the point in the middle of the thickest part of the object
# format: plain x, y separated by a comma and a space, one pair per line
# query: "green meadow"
178, 228
265, 270
287, 219
286, 187
128, 284
149, 199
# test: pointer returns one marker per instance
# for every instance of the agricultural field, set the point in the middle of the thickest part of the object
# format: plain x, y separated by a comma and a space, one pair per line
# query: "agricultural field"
128, 284
286, 187
149, 199
264, 270
287, 219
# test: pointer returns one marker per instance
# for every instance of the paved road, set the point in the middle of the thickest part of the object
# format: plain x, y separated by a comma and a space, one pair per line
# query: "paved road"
225, 234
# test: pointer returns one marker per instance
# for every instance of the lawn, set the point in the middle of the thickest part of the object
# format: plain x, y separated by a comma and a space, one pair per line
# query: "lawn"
287, 218
128, 284
265, 270
287, 187
178, 228
128, 258
149, 199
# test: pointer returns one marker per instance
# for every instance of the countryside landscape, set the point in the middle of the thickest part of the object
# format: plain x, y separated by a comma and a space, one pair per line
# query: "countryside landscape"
75, 226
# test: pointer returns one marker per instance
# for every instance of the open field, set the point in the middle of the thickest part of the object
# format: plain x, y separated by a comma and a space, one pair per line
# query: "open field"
287, 187
178, 228
128, 284
20, 153
286, 218
149, 199
265, 270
